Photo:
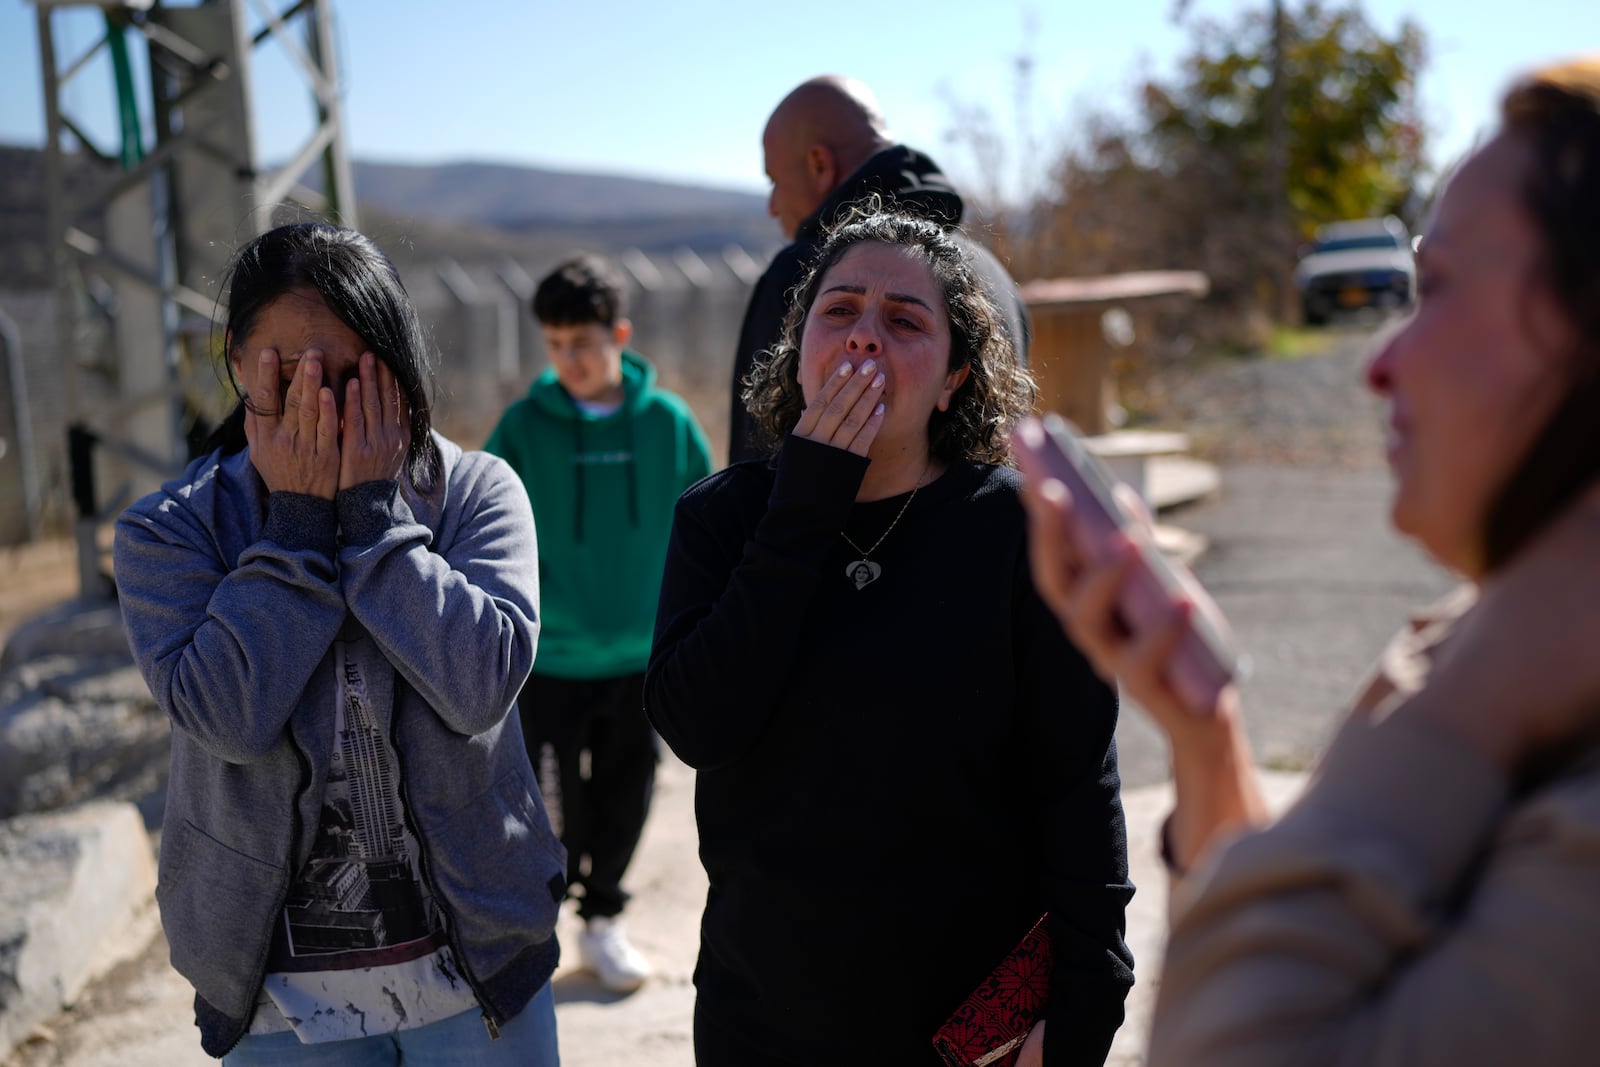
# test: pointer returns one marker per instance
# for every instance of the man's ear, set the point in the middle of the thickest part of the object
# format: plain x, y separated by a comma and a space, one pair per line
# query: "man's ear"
622, 332
822, 169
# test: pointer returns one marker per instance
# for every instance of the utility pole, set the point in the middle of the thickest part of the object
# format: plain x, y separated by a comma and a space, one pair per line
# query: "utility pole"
1278, 223
1028, 188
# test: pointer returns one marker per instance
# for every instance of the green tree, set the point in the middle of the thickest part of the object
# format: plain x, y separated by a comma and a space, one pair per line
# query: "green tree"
1187, 181
1354, 143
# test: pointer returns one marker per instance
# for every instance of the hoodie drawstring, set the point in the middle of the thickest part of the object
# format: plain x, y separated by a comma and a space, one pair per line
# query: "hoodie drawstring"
633, 475
580, 477
577, 476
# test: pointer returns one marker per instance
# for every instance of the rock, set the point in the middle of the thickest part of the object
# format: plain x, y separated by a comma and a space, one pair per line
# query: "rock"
76, 720
74, 628
71, 883
76, 728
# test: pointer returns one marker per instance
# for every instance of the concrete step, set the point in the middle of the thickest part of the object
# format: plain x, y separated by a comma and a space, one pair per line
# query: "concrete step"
1185, 546
1174, 480
1156, 464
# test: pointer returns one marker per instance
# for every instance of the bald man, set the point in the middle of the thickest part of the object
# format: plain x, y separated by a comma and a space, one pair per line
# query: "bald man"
826, 146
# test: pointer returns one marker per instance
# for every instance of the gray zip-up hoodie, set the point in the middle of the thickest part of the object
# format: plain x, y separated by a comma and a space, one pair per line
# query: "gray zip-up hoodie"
233, 599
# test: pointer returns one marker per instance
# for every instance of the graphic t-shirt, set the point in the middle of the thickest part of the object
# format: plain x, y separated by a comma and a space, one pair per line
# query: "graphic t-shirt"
360, 948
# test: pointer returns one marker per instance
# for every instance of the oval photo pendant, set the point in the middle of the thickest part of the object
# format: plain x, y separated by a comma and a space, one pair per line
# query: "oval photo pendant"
863, 572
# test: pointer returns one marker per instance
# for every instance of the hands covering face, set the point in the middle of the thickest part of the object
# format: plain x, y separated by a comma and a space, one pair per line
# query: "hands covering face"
297, 440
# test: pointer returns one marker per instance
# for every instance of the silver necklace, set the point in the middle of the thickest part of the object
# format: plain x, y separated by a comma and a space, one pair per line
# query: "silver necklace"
863, 572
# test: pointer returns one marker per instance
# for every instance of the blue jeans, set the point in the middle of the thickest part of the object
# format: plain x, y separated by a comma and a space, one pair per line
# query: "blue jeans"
459, 1041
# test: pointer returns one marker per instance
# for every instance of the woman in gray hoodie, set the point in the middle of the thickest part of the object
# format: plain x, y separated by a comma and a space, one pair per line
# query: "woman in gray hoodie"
337, 608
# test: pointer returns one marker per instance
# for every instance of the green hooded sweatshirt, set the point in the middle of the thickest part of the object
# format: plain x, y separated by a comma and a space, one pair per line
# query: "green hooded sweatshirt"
603, 492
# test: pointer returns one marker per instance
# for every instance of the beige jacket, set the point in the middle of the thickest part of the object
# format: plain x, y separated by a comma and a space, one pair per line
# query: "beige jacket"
1408, 910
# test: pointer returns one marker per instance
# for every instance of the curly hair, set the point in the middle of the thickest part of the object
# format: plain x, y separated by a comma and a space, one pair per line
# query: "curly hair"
997, 393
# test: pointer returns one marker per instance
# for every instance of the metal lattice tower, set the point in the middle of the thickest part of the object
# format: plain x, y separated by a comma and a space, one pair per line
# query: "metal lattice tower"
143, 241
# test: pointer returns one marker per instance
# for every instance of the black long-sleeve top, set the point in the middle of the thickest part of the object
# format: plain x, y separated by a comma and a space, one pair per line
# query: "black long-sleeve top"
894, 781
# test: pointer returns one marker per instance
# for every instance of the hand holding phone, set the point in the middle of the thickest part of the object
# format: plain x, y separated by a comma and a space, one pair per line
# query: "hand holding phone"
1204, 660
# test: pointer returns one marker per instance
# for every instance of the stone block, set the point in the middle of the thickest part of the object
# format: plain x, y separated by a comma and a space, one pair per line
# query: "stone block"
71, 883
74, 628
75, 728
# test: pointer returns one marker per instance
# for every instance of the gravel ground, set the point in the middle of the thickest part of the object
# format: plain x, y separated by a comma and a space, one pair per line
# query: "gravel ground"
1302, 559
1311, 411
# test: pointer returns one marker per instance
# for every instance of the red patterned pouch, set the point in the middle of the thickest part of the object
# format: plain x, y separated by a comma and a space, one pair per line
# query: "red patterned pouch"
990, 1026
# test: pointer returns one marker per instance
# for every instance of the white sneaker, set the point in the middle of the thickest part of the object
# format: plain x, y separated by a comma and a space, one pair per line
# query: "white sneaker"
604, 948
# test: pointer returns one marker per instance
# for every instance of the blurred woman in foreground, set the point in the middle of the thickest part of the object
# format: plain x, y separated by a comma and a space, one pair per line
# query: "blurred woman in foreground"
1434, 898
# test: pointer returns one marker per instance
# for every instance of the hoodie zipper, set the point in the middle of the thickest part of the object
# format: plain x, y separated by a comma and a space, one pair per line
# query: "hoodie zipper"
283, 888
425, 857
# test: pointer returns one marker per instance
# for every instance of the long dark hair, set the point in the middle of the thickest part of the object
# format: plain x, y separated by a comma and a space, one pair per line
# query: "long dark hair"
1556, 113
997, 393
360, 285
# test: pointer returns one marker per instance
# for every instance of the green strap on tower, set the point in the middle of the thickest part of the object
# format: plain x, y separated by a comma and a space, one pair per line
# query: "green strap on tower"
127, 103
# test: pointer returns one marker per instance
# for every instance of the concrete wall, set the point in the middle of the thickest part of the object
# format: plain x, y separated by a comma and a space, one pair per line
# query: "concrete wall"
41, 403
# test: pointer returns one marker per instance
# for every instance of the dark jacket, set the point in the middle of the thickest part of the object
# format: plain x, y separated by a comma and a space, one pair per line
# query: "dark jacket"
895, 781
917, 186
233, 598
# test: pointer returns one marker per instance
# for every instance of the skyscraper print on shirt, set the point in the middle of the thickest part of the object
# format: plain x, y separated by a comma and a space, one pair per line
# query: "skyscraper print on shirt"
360, 899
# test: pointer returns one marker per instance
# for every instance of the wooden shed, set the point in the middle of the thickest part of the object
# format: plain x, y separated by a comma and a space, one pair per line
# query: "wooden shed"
1071, 354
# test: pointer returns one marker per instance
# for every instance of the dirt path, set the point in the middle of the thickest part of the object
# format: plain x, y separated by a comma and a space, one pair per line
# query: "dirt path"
34, 577
139, 1015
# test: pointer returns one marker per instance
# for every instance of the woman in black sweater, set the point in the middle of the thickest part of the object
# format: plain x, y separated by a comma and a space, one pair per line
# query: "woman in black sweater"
902, 762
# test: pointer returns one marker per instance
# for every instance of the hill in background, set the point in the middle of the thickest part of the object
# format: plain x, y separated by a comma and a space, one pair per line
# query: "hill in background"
525, 198
539, 210
464, 210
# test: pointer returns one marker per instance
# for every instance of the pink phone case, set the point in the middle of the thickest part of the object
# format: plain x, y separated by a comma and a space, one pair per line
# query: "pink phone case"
1205, 660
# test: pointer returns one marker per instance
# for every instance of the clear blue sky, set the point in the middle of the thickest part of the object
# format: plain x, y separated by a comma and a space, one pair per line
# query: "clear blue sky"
681, 90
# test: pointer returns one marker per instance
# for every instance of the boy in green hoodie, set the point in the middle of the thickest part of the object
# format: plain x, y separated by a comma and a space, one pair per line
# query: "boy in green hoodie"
604, 454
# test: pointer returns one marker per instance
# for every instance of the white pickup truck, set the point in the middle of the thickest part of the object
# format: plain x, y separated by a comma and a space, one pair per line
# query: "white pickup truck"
1357, 264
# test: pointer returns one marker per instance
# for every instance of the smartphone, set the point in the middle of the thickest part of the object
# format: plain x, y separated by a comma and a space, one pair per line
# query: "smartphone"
1205, 659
